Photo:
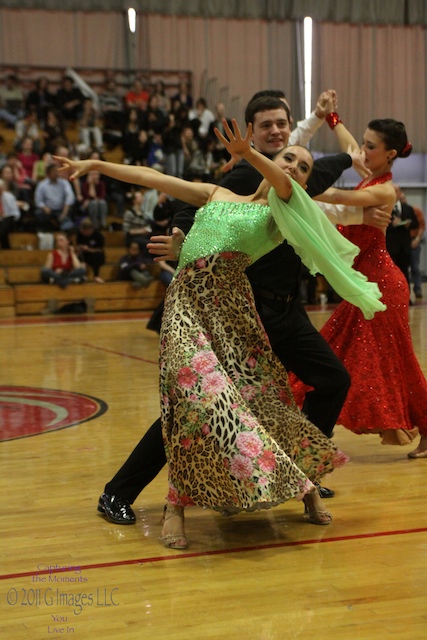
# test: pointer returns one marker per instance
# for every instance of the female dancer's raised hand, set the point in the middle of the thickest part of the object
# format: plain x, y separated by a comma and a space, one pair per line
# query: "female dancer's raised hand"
235, 143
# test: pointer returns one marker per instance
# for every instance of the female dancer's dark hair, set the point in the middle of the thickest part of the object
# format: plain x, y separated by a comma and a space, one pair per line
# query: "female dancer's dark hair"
393, 133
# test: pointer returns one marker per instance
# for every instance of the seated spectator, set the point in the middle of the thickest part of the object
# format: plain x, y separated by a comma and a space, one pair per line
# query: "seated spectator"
156, 155
163, 100
11, 100
90, 246
189, 147
23, 187
136, 224
69, 100
220, 153
137, 97
138, 153
41, 99
202, 117
130, 135
133, 267
53, 132
62, 265
163, 213
183, 95
89, 127
154, 120
3, 155
7, 174
28, 127
172, 140
9, 214
202, 164
28, 158
53, 199
112, 112
94, 203
39, 167
162, 225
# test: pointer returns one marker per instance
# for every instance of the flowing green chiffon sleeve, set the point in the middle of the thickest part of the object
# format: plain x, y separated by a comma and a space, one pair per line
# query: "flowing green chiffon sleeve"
323, 249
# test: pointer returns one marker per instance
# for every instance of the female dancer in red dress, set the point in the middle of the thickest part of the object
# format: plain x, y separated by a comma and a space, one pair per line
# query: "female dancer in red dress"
388, 394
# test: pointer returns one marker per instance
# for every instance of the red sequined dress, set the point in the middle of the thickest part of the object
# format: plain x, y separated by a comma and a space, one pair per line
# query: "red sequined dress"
388, 393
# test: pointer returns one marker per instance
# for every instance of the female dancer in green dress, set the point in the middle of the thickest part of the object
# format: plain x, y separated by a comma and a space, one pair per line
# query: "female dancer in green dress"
234, 438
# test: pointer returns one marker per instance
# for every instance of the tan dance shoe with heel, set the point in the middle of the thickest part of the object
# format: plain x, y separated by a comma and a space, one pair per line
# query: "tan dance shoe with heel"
173, 540
313, 511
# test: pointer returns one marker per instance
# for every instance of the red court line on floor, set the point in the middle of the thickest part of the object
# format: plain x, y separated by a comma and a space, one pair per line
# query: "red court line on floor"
218, 552
119, 353
65, 319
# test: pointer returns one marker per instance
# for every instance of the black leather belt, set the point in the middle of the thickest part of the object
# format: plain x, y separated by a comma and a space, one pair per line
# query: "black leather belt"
269, 295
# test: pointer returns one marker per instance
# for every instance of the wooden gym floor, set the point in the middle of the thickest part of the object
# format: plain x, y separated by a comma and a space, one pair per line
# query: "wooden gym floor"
65, 571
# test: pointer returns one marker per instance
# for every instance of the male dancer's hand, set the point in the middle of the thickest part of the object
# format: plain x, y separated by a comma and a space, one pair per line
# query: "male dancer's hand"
377, 217
166, 247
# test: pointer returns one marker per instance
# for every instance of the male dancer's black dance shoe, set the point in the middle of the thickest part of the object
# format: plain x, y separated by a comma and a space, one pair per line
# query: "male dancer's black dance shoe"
324, 492
116, 509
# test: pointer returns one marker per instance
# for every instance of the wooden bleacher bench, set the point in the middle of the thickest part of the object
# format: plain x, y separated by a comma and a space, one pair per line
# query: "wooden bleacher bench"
23, 293
21, 257
29, 241
109, 296
7, 301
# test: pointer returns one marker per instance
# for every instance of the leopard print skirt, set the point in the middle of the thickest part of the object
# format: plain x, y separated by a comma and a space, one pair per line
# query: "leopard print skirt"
234, 437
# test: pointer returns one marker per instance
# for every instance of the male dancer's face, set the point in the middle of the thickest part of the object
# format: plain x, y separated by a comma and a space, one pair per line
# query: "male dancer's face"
270, 131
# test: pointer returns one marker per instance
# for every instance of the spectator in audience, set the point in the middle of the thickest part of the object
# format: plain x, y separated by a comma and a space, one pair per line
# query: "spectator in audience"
202, 164
11, 100
131, 131
183, 95
23, 189
189, 147
90, 245
162, 99
138, 153
133, 266
172, 141
220, 153
136, 223
112, 112
39, 167
28, 158
53, 132
62, 265
8, 175
54, 199
64, 150
69, 100
398, 235
9, 214
3, 155
89, 127
201, 118
94, 191
137, 97
154, 119
417, 237
161, 225
28, 127
41, 99
156, 155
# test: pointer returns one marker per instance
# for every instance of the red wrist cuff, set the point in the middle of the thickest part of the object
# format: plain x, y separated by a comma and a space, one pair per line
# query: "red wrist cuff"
333, 119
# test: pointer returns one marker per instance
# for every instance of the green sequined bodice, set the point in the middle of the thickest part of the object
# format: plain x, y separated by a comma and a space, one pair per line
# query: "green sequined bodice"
219, 226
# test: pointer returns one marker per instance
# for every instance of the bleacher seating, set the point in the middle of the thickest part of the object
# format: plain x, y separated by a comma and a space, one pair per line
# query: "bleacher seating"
23, 293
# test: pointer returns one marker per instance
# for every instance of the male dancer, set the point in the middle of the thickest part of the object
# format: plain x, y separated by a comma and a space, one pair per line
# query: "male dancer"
275, 280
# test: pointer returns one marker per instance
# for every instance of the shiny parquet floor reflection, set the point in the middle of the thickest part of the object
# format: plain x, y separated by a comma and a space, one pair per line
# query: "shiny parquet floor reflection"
65, 571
